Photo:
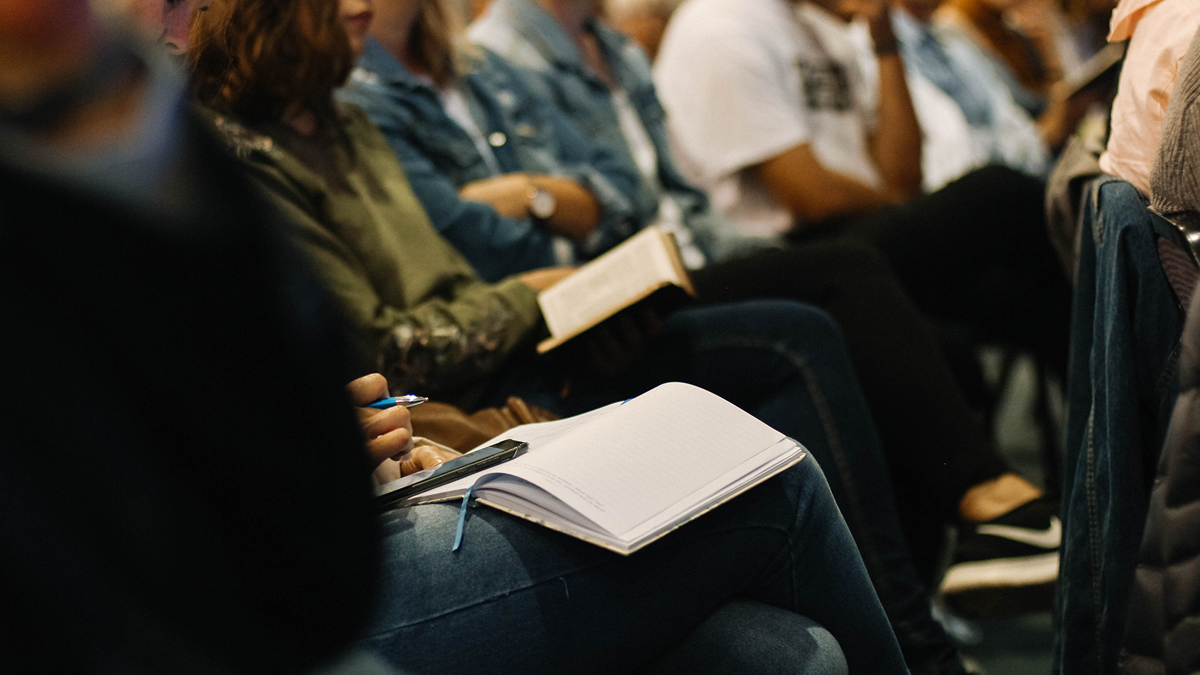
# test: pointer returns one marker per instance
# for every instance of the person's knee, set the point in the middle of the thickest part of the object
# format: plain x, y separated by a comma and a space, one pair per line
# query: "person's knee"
744, 636
801, 327
783, 325
787, 317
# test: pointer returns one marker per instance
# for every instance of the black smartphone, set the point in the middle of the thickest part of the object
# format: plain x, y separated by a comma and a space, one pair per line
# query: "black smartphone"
459, 467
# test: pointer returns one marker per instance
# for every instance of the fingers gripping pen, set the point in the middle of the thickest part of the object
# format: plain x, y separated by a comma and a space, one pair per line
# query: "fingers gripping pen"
408, 401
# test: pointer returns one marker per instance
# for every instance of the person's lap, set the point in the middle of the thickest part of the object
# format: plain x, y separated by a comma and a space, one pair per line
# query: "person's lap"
935, 444
522, 599
784, 362
745, 636
923, 418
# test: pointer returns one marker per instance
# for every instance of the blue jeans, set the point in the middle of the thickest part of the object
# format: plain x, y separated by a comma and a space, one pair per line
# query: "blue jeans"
518, 598
1121, 386
785, 363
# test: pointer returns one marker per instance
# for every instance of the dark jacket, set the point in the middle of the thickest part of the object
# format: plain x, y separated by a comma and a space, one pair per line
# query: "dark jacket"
183, 487
1163, 634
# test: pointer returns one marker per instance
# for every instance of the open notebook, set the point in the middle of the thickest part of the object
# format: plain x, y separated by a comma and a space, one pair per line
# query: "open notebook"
624, 475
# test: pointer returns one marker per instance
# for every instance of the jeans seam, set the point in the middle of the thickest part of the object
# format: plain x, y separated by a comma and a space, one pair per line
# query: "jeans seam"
1093, 510
825, 414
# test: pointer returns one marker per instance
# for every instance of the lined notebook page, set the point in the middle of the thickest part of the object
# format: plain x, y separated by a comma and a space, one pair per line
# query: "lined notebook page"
536, 435
539, 434
624, 468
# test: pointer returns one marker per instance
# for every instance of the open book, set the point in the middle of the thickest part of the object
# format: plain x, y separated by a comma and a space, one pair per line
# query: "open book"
624, 475
631, 272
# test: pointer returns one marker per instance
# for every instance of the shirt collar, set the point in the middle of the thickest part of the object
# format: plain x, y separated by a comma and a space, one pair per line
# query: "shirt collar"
379, 63
547, 36
542, 31
908, 29
1125, 18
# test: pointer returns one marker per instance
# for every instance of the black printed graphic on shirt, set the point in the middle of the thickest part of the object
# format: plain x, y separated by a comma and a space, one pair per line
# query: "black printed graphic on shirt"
826, 85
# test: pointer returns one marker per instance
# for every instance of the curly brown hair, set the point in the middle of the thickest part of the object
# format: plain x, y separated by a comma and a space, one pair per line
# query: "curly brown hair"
255, 58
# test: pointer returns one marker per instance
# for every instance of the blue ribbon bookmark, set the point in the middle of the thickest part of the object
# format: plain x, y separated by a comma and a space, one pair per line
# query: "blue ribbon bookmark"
462, 518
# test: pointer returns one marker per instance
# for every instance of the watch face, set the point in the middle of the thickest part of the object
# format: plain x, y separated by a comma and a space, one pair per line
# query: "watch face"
542, 204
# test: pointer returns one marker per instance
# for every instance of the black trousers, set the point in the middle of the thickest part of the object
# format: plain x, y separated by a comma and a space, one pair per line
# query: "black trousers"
975, 254
934, 444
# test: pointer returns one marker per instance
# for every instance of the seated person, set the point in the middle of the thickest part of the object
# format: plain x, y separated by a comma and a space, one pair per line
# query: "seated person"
1018, 38
1002, 131
582, 74
505, 220
181, 476
520, 187
795, 151
813, 186
1159, 32
1158, 636
357, 219
1134, 275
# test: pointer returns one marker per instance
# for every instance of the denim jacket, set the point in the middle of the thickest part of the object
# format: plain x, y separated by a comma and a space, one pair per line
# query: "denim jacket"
526, 35
526, 134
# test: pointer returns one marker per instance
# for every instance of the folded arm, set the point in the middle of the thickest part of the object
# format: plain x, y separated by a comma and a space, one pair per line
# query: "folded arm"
576, 215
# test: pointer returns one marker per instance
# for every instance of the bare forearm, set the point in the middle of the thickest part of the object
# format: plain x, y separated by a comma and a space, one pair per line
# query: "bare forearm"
577, 213
843, 196
896, 147
798, 181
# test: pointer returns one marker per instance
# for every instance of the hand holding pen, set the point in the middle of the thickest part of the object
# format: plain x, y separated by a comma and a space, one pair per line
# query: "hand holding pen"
386, 426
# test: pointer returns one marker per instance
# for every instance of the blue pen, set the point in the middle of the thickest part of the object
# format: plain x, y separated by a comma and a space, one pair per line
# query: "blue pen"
408, 401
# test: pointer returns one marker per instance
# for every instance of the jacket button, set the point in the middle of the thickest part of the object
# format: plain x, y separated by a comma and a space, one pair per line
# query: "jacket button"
497, 139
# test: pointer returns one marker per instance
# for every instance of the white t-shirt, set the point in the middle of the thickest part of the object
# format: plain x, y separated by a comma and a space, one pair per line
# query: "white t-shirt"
746, 80
456, 106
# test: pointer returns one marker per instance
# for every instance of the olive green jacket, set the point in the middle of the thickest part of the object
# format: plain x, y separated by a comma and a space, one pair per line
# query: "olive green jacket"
418, 311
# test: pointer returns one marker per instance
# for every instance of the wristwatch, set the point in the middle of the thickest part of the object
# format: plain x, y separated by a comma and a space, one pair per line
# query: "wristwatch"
542, 203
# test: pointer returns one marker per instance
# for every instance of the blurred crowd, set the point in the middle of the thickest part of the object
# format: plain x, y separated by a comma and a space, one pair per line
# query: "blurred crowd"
227, 226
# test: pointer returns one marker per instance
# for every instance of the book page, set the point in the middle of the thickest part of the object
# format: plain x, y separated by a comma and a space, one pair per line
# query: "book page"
536, 435
540, 433
609, 283
624, 469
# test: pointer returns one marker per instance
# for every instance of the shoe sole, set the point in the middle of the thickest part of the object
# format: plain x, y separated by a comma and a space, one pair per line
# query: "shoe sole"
1002, 574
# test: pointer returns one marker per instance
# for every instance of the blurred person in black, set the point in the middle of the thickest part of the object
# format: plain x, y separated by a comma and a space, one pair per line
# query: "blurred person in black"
183, 487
